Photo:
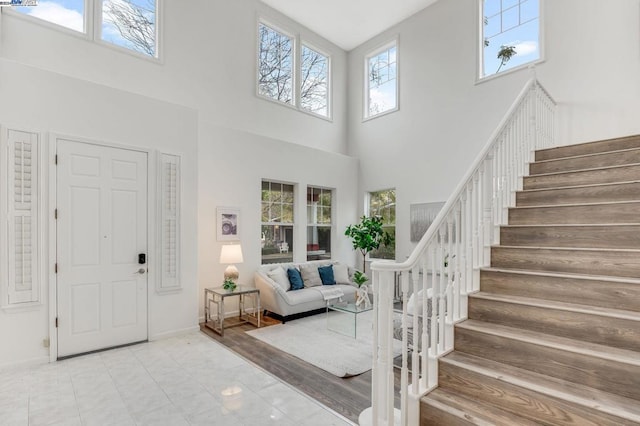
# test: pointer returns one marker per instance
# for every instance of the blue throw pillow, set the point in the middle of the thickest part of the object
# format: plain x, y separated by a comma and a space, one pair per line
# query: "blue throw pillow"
295, 279
326, 275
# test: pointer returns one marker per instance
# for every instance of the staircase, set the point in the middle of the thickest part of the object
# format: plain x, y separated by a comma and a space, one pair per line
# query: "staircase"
553, 336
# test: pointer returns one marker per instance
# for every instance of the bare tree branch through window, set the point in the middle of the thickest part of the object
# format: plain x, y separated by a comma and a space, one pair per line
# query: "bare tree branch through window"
314, 88
275, 71
134, 24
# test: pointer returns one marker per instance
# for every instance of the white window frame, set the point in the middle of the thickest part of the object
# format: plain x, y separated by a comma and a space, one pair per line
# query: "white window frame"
395, 225
97, 36
295, 249
311, 46
365, 111
480, 51
88, 21
298, 42
93, 28
294, 64
321, 225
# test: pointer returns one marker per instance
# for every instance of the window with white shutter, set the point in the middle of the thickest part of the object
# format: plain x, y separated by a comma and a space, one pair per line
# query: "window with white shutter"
170, 223
20, 204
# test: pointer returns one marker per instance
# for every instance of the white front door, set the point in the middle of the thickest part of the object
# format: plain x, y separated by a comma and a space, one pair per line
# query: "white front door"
101, 230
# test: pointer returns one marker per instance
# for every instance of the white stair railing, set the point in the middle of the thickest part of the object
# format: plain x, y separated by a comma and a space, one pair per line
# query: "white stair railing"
445, 264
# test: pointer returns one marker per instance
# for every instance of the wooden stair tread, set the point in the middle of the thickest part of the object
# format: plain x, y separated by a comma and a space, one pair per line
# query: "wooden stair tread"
569, 225
582, 249
563, 274
633, 139
472, 412
555, 206
584, 170
575, 393
591, 154
622, 356
591, 185
550, 304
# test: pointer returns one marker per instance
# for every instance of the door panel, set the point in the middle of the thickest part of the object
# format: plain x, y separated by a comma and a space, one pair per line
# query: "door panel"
84, 214
101, 228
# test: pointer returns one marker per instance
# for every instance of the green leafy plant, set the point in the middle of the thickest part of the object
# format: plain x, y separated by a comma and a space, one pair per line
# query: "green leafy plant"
359, 278
368, 235
229, 284
505, 54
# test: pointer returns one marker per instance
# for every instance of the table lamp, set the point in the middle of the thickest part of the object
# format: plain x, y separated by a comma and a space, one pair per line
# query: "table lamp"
231, 254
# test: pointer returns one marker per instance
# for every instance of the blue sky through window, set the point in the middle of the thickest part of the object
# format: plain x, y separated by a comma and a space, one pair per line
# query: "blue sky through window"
382, 70
67, 13
510, 23
127, 23
140, 37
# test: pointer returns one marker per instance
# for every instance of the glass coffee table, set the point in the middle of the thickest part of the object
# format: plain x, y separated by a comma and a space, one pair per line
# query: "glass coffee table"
343, 317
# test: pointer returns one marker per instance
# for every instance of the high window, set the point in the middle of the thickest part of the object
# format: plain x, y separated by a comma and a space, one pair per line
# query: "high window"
277, 201
275, 71
383, 204
314, 88
381, 92
319, 203
129, 24
510, 34
294, 76
66, 13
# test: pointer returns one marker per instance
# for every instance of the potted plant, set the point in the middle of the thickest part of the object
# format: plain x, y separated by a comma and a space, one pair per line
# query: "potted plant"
359, 278
367, 236
362, 293
229, 284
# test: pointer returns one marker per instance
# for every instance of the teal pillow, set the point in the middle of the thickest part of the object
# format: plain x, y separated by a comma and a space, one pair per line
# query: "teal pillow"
326, 275
295, 279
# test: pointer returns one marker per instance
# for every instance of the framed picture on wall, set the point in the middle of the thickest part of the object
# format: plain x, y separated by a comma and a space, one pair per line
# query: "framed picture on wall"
228, 223
421, 217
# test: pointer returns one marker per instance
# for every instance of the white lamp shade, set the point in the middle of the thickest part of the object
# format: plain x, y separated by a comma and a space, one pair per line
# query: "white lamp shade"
231, 253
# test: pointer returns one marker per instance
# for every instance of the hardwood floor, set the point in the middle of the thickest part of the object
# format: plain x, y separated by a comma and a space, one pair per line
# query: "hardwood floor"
346, 396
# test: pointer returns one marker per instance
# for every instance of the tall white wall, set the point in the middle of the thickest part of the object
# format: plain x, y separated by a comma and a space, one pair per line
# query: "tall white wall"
208, 62
45, 102
591, 68
199, 100
237, 161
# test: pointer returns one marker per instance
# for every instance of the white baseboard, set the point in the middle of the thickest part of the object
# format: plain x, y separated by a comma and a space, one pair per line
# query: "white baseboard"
25, 363
173, 333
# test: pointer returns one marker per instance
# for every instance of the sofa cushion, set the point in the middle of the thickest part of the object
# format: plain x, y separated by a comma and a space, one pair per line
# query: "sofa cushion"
310, 275
341, 274
295, 279
326, 275
306, 295
279, 276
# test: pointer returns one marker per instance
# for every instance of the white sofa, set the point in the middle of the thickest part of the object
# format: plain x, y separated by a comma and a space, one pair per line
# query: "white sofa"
287, 304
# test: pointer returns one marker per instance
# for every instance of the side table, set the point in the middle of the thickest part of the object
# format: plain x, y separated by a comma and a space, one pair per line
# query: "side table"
217, 295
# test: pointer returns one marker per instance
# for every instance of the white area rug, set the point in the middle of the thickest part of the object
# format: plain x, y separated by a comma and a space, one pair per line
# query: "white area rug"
309, 340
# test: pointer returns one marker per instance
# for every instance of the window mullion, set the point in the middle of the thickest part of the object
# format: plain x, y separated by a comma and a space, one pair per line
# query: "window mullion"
93, 18
297, 71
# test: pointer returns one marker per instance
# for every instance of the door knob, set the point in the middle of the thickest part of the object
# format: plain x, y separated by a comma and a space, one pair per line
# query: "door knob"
141, 271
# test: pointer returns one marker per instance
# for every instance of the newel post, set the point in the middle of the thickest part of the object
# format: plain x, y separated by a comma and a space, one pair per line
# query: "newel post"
382, 411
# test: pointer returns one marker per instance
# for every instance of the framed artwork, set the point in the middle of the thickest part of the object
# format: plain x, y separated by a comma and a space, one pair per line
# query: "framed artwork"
421, 216
228, 223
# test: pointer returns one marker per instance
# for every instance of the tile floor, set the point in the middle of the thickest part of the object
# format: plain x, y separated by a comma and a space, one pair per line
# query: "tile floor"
186, 380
